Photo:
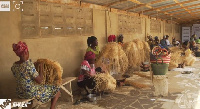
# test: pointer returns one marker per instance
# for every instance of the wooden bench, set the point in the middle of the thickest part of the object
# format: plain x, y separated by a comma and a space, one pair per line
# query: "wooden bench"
65, 81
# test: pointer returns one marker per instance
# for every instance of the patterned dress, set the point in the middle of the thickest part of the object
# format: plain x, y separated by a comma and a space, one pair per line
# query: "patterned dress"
27, 87
95, 52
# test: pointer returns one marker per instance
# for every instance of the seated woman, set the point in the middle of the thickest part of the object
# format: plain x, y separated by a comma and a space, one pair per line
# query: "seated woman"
26, 76
92, 43
111, 38
120, 39
87, 72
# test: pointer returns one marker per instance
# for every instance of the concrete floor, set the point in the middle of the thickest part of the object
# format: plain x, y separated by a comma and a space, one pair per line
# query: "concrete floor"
183, 94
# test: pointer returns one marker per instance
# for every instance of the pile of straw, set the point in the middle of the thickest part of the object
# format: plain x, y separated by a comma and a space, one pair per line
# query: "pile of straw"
104, 82
52, 71
189, 58
137, 52
176, 57
118, 61
135, 84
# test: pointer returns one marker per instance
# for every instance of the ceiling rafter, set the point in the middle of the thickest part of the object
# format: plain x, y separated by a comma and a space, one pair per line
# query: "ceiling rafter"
177, 8
146, 5
181, 5
114, 3
167, 6
185, 11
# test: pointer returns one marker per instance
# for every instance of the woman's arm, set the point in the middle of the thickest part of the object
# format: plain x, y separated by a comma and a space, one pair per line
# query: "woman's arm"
85, 73
39, 78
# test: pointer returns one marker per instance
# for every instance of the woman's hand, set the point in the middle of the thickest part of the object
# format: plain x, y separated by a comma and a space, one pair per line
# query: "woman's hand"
39, 78
41, 67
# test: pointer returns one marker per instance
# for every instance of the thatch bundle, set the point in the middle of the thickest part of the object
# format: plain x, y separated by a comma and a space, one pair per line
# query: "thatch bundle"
189, 58
118, 61
104, 82
52, 71
135, 84
137, 52
176, 57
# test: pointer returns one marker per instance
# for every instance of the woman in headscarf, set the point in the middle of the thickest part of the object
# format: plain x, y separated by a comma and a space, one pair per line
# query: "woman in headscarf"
26, 77
92, 43
87, 72
111, 38
120, 39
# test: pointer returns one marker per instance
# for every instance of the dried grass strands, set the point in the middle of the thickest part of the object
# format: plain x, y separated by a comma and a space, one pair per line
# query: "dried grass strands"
137, 52
132, 52
189, 58
52, 71
118, 60
176, 57
135, 84
140, 46
146, 51
142, 75
104, 82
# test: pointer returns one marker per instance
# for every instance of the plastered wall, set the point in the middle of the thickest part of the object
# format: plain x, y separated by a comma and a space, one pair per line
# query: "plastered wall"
68, 51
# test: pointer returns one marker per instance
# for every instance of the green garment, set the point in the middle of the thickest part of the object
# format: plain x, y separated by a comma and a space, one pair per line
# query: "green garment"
95, 52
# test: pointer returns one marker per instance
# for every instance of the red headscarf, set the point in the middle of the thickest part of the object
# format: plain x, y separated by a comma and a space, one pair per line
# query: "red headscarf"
20, 48
89, 55
111, 38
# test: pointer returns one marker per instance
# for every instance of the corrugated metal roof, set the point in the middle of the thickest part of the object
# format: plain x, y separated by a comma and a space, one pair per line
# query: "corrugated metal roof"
168, 7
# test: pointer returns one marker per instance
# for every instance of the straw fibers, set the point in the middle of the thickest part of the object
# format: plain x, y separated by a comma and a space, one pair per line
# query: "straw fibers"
137, 52
52, 71
104, 82
113, 57
176, 58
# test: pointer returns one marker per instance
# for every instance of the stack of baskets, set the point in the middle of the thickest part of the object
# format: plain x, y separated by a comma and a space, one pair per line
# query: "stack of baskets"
160, 60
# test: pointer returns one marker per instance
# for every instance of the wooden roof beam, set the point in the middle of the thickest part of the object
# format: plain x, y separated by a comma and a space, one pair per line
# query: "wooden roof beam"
135, 1
167, 6
146, 5
181, 5
177, 8
184, 11
114, 3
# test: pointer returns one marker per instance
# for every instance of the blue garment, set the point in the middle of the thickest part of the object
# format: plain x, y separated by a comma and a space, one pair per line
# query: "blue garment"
164, 44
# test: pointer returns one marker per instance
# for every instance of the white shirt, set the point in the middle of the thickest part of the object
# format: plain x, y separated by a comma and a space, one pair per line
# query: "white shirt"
167, 42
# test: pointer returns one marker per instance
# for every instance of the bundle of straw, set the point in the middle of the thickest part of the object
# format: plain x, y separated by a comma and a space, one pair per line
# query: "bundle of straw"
118, 60
104, 82
137, 52
176, 57
189, 58
52, 71
135, 84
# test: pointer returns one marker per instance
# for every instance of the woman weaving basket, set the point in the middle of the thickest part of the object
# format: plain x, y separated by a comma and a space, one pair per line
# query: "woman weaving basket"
87, 73
26, 76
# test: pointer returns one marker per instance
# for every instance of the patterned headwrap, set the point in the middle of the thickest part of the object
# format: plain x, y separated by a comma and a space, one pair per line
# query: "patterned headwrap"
111, 38
89, 55
20, 48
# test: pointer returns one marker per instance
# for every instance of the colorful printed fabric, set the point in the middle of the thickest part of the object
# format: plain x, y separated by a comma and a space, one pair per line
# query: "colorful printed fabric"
20, 48
89, 55
27, 87
95, 52
111, 38
86, 66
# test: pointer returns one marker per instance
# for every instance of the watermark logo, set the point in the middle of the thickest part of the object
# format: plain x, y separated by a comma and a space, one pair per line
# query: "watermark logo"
4, 5
187, 99
5, 103
8, 104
